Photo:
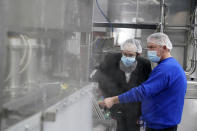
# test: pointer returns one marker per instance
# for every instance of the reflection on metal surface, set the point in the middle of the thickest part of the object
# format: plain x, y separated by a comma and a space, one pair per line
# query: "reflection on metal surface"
75, 108
46, 48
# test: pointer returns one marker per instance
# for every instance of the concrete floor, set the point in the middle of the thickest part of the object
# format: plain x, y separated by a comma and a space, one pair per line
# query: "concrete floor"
189, 118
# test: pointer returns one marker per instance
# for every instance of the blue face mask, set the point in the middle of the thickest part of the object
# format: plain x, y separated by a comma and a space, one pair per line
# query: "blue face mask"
127, 61
152, 56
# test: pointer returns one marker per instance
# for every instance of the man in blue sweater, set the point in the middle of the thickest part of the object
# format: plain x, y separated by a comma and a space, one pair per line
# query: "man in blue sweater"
162, 95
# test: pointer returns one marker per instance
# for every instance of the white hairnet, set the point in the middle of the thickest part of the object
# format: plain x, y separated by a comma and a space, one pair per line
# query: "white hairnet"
132, 45
160, 39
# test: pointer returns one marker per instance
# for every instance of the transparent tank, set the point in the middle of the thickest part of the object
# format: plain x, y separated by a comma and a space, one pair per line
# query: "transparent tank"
44, 51
45, 42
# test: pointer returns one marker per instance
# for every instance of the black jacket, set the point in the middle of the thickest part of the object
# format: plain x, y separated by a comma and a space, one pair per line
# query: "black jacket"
112, 81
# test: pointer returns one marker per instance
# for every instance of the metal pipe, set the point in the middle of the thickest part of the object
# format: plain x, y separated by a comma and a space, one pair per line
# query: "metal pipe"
167, 27
162, 22
128, 25
192, 82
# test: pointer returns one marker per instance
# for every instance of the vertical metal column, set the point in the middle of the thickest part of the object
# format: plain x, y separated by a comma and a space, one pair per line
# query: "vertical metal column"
162, 18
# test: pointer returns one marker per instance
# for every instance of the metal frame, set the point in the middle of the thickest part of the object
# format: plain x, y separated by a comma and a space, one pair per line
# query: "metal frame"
162, 17
153, 26
128, 25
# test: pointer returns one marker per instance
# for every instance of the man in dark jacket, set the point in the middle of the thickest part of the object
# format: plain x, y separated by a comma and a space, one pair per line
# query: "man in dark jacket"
118, 73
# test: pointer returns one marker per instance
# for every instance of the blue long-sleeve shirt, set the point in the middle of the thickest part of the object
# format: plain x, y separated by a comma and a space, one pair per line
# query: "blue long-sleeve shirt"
162, 95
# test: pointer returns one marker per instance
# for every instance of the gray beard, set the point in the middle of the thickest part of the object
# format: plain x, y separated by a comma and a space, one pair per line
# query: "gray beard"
129, 69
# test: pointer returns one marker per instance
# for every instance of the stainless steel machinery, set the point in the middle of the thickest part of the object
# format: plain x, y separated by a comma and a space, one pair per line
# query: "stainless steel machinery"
45, 47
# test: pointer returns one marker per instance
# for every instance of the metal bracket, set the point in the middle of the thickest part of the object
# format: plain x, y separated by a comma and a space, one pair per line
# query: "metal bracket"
49, 116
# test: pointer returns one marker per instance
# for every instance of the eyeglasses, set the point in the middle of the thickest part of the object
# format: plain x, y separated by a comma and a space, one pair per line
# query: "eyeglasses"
128, 54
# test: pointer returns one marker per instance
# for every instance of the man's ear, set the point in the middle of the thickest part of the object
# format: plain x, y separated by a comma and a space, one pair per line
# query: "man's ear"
164, 47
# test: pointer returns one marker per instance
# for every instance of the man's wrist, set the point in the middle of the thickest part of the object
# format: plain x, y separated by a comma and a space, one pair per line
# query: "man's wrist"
115, 100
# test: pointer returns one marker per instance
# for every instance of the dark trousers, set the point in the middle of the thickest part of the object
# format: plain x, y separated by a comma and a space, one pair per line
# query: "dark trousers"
167, 129
126, 116
126, 123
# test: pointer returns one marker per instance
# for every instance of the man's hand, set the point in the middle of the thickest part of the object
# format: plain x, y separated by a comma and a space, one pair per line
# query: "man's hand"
109, 102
